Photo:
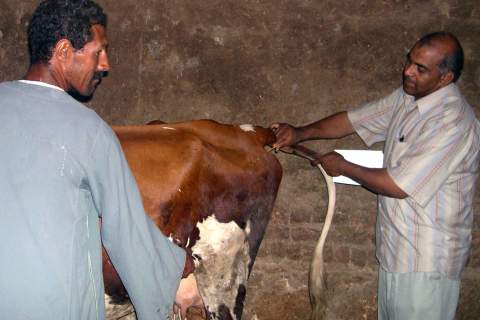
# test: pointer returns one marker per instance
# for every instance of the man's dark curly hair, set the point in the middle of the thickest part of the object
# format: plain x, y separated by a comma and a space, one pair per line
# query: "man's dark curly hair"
54, 20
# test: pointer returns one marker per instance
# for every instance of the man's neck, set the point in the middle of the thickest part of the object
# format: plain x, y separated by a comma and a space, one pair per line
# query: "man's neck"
43, 73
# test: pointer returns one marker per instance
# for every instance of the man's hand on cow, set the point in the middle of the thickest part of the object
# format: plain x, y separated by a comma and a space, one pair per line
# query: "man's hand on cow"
286, 135
331, 162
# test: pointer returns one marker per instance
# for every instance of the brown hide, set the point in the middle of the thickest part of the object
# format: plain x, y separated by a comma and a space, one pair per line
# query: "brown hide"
188, 171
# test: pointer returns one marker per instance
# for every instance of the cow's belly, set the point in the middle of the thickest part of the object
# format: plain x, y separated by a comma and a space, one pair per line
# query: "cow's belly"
222, 270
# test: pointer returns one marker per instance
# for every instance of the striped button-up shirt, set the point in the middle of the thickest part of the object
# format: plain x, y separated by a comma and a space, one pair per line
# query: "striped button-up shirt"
431, 152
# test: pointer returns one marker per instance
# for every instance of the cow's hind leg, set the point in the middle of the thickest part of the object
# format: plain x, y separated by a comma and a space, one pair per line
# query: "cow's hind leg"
223, 269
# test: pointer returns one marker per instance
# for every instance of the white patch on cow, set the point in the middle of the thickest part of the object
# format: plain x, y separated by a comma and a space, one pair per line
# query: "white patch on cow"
179, 189
247, 127
168, 128
216, 237
197, 262
170, 237
223, 266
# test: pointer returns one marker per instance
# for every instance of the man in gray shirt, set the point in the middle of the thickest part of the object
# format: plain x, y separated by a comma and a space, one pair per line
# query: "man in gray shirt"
61, 170
426, 185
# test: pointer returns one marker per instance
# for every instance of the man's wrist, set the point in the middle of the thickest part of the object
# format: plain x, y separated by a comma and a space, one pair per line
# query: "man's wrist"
345, 168
301, 134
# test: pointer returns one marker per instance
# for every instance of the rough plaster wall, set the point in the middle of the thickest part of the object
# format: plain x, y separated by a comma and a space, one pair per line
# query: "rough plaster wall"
253, 61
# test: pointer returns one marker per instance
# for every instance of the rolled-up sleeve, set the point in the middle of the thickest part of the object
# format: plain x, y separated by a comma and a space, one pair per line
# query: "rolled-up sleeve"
371, 120
149, 265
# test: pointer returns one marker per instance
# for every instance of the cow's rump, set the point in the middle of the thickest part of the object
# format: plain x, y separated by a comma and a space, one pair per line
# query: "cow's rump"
209, 187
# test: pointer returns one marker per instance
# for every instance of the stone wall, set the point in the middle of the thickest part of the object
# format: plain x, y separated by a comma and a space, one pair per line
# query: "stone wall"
250, 61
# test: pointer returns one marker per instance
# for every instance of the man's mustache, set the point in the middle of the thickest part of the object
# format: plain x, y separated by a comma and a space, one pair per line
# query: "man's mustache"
99, 75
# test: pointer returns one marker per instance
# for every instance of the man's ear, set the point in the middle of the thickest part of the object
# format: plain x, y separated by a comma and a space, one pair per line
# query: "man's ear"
446, 78
62, 50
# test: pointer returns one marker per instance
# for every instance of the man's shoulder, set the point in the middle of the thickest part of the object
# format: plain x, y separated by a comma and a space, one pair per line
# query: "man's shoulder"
454, 102
390, 101
8, 86
51, 106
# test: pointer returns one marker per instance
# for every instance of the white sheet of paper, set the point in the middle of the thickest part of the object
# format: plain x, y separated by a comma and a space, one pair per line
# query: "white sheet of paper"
366, 158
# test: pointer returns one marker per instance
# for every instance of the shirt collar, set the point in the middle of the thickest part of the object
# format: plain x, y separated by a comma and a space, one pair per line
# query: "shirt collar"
409, 102
441, 96
43, 84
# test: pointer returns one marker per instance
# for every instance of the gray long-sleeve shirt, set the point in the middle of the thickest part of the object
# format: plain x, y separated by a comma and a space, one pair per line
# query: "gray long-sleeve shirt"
61, 168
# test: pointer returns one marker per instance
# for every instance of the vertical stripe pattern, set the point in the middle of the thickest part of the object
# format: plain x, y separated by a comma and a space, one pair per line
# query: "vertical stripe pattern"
432, 153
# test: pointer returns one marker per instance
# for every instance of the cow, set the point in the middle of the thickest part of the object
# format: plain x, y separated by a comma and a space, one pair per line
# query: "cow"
210, 188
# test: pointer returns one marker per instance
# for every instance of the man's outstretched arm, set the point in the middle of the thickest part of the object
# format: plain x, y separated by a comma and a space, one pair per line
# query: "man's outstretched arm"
332, 127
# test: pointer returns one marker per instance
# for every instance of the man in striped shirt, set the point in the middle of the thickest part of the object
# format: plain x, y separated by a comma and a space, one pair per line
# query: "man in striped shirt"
426, 185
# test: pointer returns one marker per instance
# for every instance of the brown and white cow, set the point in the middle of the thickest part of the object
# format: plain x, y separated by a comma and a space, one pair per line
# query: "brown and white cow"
209, 187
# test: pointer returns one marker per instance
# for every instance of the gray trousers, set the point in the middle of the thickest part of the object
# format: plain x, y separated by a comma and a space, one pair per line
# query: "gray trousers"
417, 296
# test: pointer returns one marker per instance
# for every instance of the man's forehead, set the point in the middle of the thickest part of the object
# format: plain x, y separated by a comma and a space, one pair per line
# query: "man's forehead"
428, 53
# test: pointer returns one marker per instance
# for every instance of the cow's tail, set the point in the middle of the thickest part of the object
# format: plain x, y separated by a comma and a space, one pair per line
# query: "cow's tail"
317, 281
317, 287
